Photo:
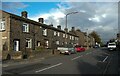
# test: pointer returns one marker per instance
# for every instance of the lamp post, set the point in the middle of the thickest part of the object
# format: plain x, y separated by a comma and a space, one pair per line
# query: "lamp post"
87, 38
66, 24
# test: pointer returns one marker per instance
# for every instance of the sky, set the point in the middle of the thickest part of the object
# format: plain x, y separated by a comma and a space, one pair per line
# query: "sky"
101, 17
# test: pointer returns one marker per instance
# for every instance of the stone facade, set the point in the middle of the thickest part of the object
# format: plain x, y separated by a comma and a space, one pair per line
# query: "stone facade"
22, 36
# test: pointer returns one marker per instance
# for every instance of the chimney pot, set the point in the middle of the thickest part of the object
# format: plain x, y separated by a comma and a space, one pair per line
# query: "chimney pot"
24, 14
59, 27
73, 28
41, 20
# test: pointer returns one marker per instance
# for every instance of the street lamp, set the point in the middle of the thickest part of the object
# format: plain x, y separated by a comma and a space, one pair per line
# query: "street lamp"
87, 38
66, 24
66, 17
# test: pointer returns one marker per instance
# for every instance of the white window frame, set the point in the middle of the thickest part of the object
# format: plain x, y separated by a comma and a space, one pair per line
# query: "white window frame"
70, 37
26, 27
47, 43
38, 43
57, 42
45, 32
58, 33
63, 35
66, 35
55, 33
2, 26
29, 41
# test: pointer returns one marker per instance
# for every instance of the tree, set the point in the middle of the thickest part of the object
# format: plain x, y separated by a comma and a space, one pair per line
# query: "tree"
96, 37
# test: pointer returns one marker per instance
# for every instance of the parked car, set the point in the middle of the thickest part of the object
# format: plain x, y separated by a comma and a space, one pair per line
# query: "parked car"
79, 48
64, 50
112, 46
96, 46
72, 50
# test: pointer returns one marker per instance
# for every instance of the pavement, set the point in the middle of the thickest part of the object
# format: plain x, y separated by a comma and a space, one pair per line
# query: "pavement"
34, 59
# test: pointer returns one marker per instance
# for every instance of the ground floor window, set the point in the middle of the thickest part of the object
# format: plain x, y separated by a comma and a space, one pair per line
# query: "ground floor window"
38, 43
57, 42
47, 43
16, 45
28, 43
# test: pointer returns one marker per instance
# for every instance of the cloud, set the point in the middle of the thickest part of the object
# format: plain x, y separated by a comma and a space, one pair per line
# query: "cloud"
99, 16
13, 6
53, 17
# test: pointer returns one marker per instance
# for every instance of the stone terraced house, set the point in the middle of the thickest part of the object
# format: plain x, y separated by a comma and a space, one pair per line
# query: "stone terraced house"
20, 36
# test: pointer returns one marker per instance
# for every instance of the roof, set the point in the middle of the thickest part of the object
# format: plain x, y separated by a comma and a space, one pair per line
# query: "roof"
36, 23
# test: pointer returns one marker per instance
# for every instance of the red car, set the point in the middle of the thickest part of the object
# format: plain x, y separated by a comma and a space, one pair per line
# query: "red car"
79, 48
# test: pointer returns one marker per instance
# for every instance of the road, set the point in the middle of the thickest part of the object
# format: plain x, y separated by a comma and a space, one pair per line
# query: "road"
93, 61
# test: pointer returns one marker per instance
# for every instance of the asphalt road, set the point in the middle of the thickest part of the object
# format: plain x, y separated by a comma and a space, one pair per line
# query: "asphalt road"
93, 61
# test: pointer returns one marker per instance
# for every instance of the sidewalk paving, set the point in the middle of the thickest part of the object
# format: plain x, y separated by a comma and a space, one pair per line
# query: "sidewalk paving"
34, 59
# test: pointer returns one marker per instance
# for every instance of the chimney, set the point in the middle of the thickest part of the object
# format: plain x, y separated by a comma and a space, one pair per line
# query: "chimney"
59, 27
66, 29
24, 14
51, 25
73, 29
41, 20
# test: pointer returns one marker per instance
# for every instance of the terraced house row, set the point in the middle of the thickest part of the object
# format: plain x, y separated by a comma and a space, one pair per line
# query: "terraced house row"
21, 36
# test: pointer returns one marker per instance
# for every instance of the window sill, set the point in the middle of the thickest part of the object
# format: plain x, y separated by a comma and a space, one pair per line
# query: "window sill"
26, 32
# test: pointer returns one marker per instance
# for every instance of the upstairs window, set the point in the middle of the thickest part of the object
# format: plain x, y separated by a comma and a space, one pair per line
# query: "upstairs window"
66, 36
45, 32
63, 35
70, 37
58, 34
2, 26
25, 27
55, 33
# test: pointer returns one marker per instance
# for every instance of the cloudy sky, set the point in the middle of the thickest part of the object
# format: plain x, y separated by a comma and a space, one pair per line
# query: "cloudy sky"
101, 17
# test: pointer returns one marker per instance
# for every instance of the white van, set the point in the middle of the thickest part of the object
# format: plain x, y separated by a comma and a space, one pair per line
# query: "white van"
111, 46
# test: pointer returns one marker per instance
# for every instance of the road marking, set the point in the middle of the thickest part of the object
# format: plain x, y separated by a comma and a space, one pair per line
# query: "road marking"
77, 57
48, 67
105, 59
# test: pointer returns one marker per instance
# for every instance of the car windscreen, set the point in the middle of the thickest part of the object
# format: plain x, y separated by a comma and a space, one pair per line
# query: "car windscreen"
111, 44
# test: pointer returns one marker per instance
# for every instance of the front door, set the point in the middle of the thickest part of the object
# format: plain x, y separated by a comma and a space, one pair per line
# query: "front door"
16, 45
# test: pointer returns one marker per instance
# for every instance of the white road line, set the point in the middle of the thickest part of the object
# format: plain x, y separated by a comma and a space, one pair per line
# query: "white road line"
77, 57
48, 67
105, 59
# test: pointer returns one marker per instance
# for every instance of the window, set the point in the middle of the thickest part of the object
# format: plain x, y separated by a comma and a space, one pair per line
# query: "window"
45, 32
25, 27
28, 43
55, 33
72, 37
40, 26
58, 34
47, 43
66, 36
2, 26
57, 42
38, 43
63, 35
